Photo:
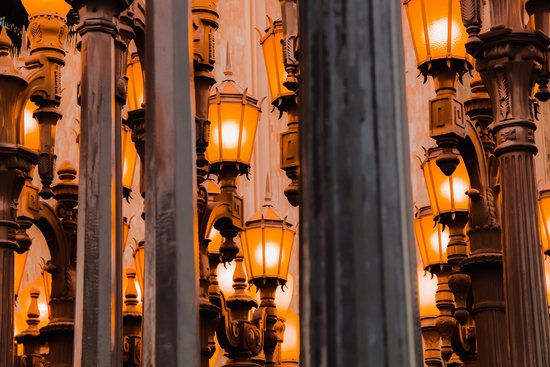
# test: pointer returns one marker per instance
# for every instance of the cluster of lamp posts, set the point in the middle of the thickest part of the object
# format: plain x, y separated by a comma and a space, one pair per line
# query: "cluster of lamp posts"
224, 149
478, 234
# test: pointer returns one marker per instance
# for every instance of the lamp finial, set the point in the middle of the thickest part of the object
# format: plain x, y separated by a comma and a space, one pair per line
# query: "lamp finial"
228, 69
5, 43
267, 197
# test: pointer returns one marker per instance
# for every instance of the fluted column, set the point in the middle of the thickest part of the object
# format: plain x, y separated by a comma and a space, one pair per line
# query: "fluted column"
511, 63
357, 273
97, 339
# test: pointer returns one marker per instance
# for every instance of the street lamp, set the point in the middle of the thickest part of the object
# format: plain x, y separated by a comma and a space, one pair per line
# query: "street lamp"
439, 42
267, 244
432, 239
279, 45
272, 48
234, 116
47, 33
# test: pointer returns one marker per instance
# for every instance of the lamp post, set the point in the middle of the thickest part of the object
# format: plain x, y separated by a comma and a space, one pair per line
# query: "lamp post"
510, 60
279, 45
47, 34
98, 31
267, 245
15, 164
441, 54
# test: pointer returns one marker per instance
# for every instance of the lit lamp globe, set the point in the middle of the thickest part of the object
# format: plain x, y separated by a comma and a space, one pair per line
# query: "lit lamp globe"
448, 198
438, 35
544, 217
233, 116
272, 49
139, 260
267, 243
31, 134
290, 348
432, 240
129, 161
427, 287
447, 193
20, 263
136, 87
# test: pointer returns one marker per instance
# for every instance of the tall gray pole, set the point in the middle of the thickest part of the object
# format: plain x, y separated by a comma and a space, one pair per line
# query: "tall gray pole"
96, 325
358, 283
171, 328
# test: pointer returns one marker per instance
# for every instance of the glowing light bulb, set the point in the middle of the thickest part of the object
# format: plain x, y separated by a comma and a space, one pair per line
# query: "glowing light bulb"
438, 32
436, 239
272, 250
230, 134
459, 190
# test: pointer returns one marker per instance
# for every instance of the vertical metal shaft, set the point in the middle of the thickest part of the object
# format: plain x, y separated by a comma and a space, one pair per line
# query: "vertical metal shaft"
171, 328
97, 312
358, 303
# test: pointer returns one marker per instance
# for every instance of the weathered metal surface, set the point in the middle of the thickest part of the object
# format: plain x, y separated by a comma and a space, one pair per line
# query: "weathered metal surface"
171, 329
95, 322
358, 288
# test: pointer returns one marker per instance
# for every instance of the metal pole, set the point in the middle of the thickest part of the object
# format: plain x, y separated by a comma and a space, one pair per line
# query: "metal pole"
171, 327
358, 291
96, 332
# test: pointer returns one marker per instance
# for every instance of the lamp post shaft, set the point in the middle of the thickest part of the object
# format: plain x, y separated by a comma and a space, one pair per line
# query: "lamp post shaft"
357, 258
510, 66
97, 339
171, 250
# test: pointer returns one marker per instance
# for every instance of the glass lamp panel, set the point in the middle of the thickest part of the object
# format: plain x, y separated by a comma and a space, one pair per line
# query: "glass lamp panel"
271, 254
20, 262
283, 296
276, 72
135, 84
437, 30
129, 158
290, 348
547, 278
432, 240
447, 193
252, 244
288, 242
216, 241
125, 232
415, 15
251, 118
225, 278
46, 6
459, 36
139, 257
427, 286
229, 133
544, 217
31, 134
213, 151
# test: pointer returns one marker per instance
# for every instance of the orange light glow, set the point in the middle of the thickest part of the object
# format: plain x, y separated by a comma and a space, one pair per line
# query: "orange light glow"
35, 7
31, 133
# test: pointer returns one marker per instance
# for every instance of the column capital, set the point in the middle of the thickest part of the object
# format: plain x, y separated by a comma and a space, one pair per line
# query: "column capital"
99, 15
